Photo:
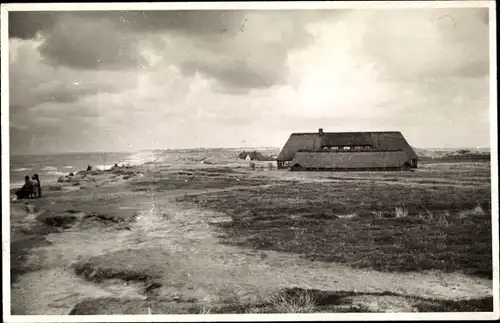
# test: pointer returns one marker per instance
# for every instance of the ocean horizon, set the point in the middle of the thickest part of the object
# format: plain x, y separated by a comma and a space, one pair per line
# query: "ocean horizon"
142, 150
52, 166
472, 148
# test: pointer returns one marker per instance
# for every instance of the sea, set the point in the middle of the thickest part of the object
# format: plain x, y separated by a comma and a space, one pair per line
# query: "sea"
50, 167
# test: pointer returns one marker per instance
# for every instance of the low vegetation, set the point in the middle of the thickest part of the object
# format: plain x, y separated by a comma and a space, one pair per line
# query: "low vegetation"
298, 300
290, 301
197, 179
436, 218
387, 227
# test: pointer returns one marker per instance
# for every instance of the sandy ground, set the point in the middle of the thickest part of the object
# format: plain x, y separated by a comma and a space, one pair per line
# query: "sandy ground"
186, 257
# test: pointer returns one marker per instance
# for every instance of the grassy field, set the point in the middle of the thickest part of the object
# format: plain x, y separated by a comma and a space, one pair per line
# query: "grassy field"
367, 223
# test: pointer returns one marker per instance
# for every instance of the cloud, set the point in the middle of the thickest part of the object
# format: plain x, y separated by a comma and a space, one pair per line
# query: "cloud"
426, 43
32, 82
193, 79
239, 49
253, 58
26, 24
90, 45
186, 21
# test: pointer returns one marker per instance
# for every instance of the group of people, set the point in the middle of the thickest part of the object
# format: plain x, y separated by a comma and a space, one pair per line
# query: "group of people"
31, 188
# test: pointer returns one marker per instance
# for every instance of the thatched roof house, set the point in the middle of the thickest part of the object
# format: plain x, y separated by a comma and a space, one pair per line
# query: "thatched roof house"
253, 155
347, 151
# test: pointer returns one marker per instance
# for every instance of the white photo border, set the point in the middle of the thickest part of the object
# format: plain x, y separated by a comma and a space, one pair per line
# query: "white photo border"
5, 8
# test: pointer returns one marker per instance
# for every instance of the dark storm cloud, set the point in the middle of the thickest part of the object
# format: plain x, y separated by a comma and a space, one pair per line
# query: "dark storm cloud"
205, 22
90, 45
112, 40
108, 39
26, 24
188, 21
255, 54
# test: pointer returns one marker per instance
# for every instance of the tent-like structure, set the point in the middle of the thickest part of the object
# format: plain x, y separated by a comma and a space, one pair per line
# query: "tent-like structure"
347, 151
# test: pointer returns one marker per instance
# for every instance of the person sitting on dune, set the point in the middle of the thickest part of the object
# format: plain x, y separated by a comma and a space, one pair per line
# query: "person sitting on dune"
37, 188
27, 190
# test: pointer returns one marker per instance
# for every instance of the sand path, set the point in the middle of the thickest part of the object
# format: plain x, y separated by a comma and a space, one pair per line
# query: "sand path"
200, 267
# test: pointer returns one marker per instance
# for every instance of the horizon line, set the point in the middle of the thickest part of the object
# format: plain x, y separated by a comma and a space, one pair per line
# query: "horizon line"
207, 148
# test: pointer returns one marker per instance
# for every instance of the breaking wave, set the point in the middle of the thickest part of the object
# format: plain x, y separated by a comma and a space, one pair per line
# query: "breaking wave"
56, 173
47, 168
103, 167
142, 158
22, 169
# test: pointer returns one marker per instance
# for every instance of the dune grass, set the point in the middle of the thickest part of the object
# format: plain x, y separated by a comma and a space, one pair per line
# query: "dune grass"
194, 181
395, 227
287, 301
301, 302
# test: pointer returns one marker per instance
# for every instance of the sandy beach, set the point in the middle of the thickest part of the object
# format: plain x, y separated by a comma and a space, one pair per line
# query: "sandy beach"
144, 239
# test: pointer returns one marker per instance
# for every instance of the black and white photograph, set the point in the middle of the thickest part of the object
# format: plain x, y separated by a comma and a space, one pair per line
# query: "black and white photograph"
249, 161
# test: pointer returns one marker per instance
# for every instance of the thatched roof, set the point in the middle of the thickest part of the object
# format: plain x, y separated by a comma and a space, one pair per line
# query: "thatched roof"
346, 139
254, 155
350, 160
310, 142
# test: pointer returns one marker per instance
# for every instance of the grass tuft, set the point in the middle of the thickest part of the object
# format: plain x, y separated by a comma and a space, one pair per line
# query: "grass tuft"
284, 302
401, 212
206, 310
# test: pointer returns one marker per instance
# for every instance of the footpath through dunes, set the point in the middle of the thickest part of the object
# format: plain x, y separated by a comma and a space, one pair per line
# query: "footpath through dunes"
137, 246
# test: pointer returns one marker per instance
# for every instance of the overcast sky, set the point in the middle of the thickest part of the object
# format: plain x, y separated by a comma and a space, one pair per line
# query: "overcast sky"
119, 81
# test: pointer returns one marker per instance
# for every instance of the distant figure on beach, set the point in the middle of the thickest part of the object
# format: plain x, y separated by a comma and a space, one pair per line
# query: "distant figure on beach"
89, 168
37, 187
27, 190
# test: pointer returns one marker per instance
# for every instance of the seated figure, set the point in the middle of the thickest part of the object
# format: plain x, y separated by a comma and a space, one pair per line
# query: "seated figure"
26, 191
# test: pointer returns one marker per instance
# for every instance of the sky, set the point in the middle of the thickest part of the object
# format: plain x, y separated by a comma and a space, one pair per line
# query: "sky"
137, 80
